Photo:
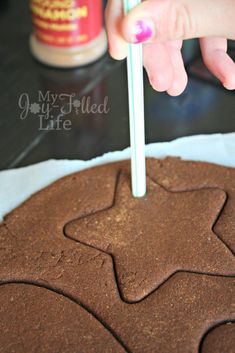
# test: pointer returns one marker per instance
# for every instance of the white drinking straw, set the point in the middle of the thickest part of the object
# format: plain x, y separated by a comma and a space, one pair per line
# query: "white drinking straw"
136, 112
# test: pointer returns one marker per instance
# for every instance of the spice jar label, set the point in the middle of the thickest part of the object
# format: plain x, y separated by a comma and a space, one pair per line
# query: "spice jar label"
66, 23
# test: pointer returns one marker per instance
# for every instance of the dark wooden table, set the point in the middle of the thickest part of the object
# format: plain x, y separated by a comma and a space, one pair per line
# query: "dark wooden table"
205, 107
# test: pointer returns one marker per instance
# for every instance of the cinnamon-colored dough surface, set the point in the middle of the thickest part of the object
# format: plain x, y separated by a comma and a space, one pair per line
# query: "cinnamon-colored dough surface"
220, 339
138, 275
34, 319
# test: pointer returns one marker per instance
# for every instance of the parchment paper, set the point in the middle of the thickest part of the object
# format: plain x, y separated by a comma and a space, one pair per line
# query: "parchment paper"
16, 185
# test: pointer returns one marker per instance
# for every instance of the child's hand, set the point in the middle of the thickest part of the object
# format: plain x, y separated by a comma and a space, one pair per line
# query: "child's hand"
162, 25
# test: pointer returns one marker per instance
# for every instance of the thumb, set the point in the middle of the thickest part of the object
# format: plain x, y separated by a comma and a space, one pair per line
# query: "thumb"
162, 20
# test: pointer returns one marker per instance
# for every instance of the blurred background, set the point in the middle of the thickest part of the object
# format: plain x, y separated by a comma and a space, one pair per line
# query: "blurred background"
26, 138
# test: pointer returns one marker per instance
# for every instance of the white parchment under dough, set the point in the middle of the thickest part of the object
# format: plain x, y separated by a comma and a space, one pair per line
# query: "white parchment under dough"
16, 185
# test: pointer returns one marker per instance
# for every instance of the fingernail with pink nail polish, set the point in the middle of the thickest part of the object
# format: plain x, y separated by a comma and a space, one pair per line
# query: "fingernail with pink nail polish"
143, 31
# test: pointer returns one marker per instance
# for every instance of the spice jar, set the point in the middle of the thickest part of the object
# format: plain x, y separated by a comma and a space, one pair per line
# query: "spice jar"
67, 33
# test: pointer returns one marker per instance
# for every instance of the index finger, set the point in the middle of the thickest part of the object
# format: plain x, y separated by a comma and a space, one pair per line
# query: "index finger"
113, 17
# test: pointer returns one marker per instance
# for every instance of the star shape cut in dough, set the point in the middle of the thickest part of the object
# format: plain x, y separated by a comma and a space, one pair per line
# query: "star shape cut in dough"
153, 237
